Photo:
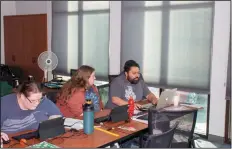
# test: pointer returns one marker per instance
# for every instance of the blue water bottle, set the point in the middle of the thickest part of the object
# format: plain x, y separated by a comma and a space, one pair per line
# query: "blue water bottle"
88, 111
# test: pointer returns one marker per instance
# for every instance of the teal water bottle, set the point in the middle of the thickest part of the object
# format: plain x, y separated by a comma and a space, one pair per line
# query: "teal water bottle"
88, 111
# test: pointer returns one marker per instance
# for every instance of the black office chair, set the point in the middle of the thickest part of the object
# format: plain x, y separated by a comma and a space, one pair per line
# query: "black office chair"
160, 121
52, 96
111, 77
160, 130
18, 72
162, 140
184, 134
72, 72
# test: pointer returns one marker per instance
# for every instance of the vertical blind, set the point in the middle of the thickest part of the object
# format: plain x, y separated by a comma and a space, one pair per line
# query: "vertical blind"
171, 40
80, 35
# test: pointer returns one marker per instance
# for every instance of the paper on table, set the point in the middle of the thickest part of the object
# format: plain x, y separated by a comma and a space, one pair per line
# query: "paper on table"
43, 144
73, 123
136, 111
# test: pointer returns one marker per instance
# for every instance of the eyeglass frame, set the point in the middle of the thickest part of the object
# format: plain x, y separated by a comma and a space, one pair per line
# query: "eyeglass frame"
33, 101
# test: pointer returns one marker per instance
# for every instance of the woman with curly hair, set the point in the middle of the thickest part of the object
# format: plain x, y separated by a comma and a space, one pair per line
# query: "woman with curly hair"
74, 92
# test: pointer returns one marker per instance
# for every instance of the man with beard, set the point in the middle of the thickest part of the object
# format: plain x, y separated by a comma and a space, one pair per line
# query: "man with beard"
129, 84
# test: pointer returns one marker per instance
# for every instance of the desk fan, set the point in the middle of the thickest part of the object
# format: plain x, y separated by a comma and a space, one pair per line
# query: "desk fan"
47, 61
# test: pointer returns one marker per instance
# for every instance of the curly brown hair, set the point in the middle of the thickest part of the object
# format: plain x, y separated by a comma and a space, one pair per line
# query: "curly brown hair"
80, 80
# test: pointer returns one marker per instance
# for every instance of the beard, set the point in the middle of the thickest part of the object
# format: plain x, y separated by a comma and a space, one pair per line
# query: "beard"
133, 80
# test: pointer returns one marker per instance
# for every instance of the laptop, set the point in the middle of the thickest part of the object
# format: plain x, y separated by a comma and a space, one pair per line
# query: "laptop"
47, 129
117, 114
166, 98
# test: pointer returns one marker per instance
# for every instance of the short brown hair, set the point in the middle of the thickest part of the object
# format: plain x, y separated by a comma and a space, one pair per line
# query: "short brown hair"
29, 87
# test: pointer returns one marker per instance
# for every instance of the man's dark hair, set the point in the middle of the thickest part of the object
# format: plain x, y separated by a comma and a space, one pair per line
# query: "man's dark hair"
129, 64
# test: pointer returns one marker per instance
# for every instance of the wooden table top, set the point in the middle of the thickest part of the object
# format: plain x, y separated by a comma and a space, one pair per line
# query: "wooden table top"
96, 139
79, 139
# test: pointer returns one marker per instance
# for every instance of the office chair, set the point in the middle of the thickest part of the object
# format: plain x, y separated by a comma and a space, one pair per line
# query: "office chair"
72, 72
52, 96
184, 134
160, 130
162, 140
160, 121
111, 77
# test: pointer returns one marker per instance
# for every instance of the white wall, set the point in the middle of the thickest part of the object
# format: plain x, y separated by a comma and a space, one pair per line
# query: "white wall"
220, 51
115, 37
7, 8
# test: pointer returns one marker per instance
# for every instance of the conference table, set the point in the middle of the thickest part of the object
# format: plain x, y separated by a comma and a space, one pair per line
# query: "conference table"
97, 139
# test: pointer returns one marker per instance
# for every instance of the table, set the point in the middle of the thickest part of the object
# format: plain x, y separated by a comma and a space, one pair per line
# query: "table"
96, 139
79, 139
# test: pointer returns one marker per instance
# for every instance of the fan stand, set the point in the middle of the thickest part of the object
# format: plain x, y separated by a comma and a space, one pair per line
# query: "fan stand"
45, 78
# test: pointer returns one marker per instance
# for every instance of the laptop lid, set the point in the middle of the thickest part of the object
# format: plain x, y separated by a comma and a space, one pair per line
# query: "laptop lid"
47, 129
119, 113
166, 98
51, 128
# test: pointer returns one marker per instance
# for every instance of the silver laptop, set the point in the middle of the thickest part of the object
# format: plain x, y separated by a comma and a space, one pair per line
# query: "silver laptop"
166, 98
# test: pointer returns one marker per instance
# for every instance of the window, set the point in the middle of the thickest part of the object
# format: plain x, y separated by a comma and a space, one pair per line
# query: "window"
104, 93
80, 35
170, 40
199, 100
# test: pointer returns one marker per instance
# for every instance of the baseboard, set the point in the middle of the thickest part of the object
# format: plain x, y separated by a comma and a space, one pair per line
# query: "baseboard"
215, 138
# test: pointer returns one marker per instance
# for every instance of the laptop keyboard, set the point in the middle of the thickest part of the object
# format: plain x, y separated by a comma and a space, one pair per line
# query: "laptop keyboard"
27, 136
146, 106
102, 119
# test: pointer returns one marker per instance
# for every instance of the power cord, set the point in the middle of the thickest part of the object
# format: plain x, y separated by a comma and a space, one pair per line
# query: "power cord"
74, 135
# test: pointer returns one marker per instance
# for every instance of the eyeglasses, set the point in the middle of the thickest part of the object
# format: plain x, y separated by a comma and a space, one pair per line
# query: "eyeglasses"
34, 101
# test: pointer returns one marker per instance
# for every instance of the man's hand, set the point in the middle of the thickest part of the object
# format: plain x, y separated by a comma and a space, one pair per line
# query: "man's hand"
154, 101
137, 106
152, 98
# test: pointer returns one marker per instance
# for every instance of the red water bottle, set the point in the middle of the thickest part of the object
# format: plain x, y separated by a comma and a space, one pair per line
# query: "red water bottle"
131, 107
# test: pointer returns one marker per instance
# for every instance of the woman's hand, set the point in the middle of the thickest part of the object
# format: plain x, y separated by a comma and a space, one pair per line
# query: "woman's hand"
54, 116
4, 137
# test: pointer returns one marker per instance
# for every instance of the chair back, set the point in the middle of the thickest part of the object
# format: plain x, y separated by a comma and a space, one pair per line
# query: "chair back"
163, 140
183, 135
52, 96
111, 77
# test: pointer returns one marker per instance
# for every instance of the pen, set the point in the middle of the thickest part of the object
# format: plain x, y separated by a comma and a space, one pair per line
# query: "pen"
108, 132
